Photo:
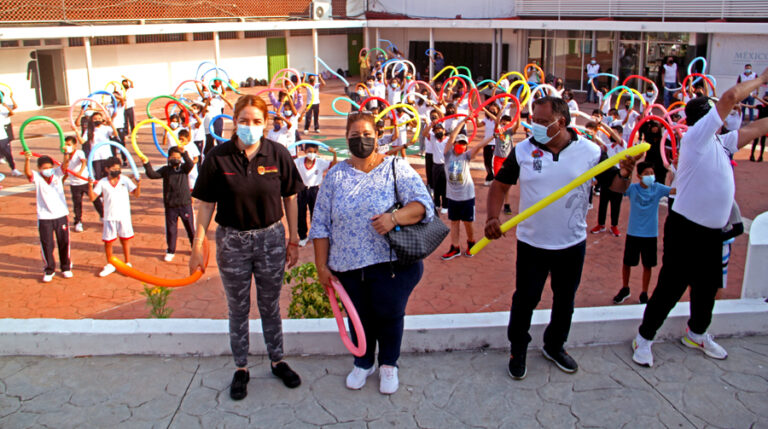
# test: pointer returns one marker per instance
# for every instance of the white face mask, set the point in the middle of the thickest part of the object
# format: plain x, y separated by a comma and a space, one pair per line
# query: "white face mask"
649, 180
361, 93
69, 149
747, 71
174, 125
593, 62
250, 135
48, 172
311, 156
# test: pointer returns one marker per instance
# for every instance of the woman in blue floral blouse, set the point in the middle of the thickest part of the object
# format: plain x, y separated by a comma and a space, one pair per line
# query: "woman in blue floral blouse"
348, 230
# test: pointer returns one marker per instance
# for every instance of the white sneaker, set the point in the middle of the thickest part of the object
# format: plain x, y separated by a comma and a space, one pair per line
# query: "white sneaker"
168, 257
642, 348
356, 378
67, 274
108, 269
705, 343
16, 173
488, 182
303, 242
2, 161
48, 277
443, 210
79, 227
388, 381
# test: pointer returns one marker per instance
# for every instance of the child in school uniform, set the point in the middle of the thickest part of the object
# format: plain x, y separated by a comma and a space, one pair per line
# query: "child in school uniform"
312, 170
115, 189
78, 163
177, 199
194, 155
643, 228
52, 212
282, 132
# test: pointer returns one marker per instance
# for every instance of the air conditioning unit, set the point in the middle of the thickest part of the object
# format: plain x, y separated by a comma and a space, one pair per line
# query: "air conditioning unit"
320, 10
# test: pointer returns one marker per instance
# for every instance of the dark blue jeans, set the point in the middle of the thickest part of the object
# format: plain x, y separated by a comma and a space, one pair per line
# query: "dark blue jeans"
533, 267
380, 293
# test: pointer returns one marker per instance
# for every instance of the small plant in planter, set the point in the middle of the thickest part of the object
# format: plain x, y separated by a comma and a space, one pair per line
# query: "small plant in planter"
157, 301
308, 297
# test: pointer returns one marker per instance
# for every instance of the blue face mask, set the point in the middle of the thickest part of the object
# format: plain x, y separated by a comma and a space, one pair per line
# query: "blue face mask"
249, 135
540, 132
649, 180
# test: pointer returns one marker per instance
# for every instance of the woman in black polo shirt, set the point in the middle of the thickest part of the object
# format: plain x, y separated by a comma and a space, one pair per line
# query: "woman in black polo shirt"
248, 178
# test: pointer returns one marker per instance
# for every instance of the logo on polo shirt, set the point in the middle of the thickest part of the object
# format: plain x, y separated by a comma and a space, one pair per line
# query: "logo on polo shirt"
537, 154
264, 170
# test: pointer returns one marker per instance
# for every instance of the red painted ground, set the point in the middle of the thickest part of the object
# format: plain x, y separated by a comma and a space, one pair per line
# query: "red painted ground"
483, 283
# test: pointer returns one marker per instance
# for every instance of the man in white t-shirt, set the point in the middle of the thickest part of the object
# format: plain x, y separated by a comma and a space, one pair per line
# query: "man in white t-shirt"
115, 189
671, 77
130, 104
593, 68
52, 212
312, 170
313, 111
750, 99
692, 234
553, 242
6, 135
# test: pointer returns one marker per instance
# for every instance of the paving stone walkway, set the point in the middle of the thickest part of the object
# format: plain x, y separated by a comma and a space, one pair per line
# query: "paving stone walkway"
440, 390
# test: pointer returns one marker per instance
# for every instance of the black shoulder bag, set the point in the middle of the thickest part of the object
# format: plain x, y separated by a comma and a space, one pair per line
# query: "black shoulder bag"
412, 243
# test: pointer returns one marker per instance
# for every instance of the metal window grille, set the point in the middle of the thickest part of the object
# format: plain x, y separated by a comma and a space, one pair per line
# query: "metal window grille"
202, 36
161, 38
225, 35
109, 40
258, 34
649, 9
295, 33
76, 41
9, 44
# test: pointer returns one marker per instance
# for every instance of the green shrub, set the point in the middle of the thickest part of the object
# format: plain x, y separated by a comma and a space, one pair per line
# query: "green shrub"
157, 300
308, 297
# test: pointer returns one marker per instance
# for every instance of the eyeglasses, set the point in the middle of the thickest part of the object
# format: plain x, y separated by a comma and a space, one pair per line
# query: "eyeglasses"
360, 112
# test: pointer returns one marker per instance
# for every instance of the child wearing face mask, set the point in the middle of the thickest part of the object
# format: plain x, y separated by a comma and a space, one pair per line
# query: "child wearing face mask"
191, 150
643, 228
118, 121
177, 199
437, 140
77, 186
312, 170
281, 132
314, 110
100, 130
52, 212
394, 91
115, 189
747, 76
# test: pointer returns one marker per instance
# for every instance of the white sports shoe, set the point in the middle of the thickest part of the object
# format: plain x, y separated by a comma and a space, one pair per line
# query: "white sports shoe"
705, 343
303, 242
168, 257
79, 227
388, 381
356, 378
16, 173
48, 277
67, 274
443, 210
642, 351
108, 269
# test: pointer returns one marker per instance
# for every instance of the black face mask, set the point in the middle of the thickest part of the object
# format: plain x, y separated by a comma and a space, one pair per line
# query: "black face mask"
97, 123
174, 163
114, 173
277, 127
362, 147
439, 135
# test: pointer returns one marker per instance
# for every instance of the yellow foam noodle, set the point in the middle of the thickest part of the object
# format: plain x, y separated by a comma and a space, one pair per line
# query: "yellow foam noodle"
413, 110
583, 178
143, 123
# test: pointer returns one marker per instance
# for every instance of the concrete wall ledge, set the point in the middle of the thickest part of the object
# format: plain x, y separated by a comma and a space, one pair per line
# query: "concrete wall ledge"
424, 333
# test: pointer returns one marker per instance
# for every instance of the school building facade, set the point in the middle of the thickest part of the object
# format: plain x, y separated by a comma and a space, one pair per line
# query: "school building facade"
55, 55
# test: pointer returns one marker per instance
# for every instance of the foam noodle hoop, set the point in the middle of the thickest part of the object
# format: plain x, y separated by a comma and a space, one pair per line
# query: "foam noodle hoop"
631, 91
538, 69
69, 172
314, 142
591, 80
497, 97
40, 118
583, 178
348, 100
85, 101
212, 88
310, 92
169, 97
365, 88
487, 82
2, 177
380, 100
185, 112
674, 105
682, 129
282, 73
159, 281
10, 90
416, 84
703, 67
176, 92
650, 108
333, 72
197, 72
445, 84
122, 149
551, 91
706, 79
413, 110
462, 115
662, 122
623, 87
210, 127
376, 49
217, 70
104, 93
646, 80
468, 73
338, 289
523, 87
443, 70
135, 132
117, 85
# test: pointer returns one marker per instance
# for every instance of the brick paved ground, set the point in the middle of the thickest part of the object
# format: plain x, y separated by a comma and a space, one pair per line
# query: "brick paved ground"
484, 283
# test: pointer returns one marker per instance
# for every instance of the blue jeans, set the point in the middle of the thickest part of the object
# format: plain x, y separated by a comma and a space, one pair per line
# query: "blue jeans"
669, 94
533, 267
380, 293
591, 93
749, 100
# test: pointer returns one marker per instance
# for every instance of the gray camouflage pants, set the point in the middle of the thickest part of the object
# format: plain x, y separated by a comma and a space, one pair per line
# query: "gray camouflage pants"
259, 253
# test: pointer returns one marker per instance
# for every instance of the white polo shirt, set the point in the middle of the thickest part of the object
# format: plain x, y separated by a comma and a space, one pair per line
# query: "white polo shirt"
75, 164
312, 176
705, 183
130, 100
51, 202
438, 148
563, 223
102, 133
117, 203
670, 73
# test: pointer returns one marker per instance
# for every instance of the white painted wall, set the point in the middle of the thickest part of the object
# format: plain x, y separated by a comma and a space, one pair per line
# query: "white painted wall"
13, 72
332, 49
446, 8
730, 52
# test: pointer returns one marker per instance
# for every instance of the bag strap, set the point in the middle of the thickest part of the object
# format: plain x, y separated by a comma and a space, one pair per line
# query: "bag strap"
394, 176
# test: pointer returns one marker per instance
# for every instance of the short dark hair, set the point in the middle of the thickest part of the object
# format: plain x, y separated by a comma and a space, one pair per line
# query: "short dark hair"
174, 149
643, 165
112, 161
697, 108
310, 146
559, 106
747, 65
70, 139
592, 125
184, 133
505, 118
618, 128
45, 159
597, 112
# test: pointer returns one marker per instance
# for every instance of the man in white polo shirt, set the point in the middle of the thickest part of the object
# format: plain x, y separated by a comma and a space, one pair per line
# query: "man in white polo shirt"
692, 233
671, 76
553, 241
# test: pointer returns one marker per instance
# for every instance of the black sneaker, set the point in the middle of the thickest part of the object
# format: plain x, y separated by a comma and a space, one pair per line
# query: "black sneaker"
621, 296
644, 298
562, 359
516, 368
239, 388
507, 209
285, 373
